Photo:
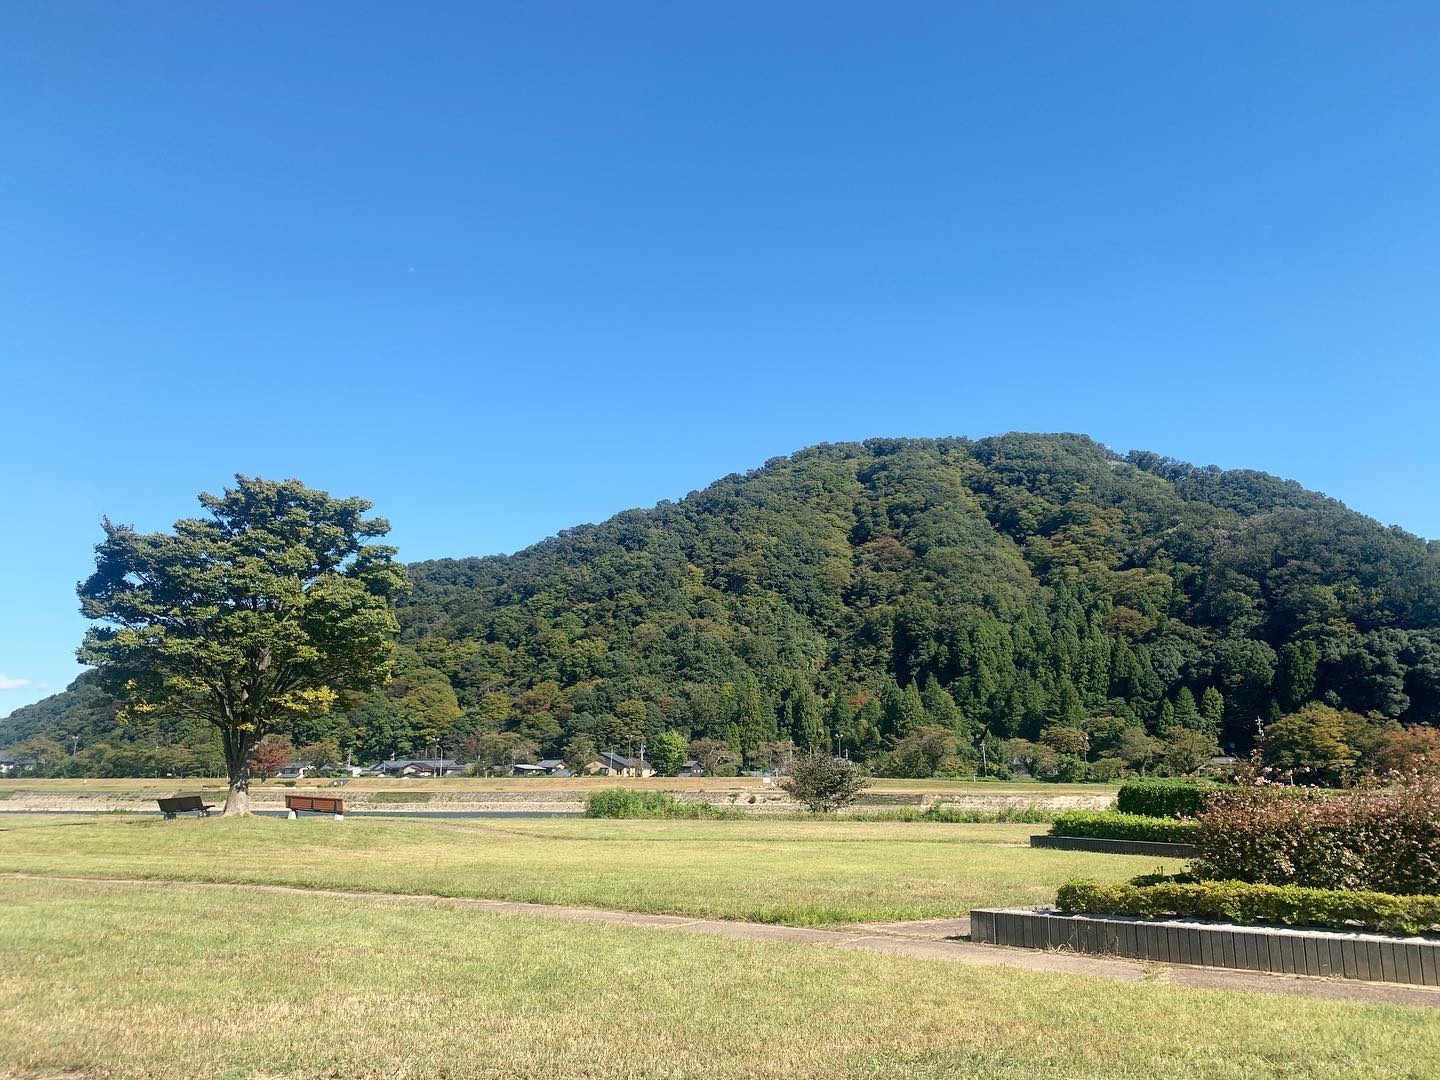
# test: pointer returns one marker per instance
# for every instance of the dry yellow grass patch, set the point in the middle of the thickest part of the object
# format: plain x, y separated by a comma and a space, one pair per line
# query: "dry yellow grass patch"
183, 982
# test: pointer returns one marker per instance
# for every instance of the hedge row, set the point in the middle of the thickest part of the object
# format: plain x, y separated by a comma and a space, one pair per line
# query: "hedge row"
1165, 798
1116, 826
1241, 902
1383, 839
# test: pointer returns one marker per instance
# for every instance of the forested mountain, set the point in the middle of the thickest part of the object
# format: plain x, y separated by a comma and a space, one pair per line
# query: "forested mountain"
1033, 587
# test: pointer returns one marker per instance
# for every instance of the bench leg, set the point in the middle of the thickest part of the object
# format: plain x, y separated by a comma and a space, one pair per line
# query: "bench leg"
339, 817
291, 815
169, 816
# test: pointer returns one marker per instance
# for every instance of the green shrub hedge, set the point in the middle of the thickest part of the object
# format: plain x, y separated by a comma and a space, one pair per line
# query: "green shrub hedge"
625, 803
1111, 825
1029, 814
1244, 903
1165, 798
1382, 839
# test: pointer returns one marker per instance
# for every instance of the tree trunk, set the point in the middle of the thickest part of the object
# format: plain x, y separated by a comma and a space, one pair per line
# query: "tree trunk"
237, 801
237, 746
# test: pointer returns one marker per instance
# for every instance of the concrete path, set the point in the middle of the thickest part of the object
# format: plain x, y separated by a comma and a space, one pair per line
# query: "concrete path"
924, 939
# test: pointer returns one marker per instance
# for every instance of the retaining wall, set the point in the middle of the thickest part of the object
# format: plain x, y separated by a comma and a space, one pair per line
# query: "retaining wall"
1163, 848
1369, 957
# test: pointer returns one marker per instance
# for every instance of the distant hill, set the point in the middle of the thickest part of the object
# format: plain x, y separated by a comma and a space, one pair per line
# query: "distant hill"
1020, 582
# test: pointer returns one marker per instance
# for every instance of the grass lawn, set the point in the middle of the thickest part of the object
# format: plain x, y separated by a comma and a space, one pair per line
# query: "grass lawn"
178, 983
799, 872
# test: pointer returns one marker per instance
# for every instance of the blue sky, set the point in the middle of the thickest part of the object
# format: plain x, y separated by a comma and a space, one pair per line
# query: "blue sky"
504, 268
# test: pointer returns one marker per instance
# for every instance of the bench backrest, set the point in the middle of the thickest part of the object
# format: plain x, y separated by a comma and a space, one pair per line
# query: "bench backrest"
320, 804
182, 804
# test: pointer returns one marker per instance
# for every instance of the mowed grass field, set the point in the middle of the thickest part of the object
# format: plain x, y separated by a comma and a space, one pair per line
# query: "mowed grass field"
808, 873
181, 982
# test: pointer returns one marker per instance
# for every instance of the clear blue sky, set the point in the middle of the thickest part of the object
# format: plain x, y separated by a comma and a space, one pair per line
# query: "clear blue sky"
504, 268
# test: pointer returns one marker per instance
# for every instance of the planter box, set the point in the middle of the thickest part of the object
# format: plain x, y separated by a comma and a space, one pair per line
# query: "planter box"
1369, 957
1162, 848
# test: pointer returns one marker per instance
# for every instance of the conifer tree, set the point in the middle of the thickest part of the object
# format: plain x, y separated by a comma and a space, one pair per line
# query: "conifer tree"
1187, 713
807, 726
912, 714
1212, 711
940, 707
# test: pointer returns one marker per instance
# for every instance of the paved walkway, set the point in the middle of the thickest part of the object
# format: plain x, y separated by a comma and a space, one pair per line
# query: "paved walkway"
924, 939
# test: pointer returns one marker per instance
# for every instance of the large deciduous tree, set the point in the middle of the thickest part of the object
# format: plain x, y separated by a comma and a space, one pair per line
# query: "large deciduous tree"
265, 610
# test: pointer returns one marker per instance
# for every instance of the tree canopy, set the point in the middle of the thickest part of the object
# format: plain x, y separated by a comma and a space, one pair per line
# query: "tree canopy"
261, 613
911, 595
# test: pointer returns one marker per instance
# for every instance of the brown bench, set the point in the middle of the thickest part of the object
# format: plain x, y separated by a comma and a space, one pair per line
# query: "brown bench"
315, 804
185, 804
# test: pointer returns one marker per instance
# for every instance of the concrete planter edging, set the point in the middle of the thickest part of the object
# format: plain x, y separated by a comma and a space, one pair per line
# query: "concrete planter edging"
1282, 950
1162, 848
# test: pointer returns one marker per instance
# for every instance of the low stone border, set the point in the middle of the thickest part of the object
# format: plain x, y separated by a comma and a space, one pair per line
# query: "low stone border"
1162, 848
1368, 957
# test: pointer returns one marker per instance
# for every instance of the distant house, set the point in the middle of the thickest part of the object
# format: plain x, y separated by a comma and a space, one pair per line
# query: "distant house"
9, 766
620, 765
691, 768
416, 767
548, 767
294, 770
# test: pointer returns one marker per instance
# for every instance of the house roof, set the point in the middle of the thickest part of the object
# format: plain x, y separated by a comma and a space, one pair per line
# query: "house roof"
551, 763
620, 760
423, 763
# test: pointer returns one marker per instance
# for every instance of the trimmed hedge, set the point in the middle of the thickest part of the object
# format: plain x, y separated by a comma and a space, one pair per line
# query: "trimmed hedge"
1243, 903
1384, 839
1110, 825
955, 815
1165, 798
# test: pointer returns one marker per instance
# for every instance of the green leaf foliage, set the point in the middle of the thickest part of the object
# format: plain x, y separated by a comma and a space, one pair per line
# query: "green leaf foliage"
993, 588
629, 803
1246, 903
261, 612
1384, 838
1163, 798
1116, 826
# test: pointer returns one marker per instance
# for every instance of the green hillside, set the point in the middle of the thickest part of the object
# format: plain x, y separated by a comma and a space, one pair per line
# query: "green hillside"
1008, 586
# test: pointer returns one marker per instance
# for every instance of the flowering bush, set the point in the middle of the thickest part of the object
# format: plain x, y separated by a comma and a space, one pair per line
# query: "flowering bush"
1382, 839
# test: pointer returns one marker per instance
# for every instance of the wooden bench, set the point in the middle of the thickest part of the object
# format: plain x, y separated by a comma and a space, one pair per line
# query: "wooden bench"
315, 804
185, 804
